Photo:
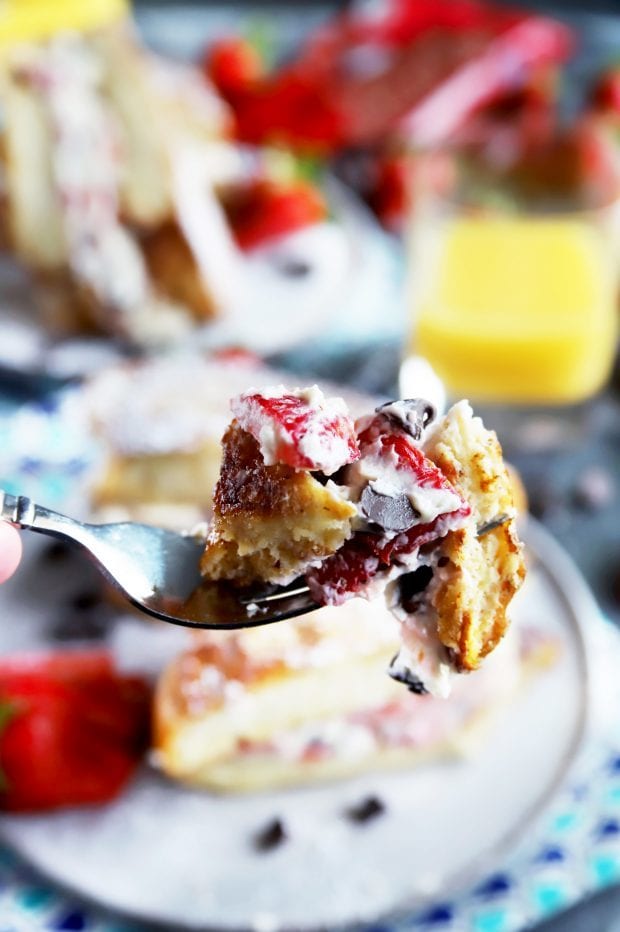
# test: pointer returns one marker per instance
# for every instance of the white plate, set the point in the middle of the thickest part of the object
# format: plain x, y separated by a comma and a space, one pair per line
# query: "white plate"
172, 855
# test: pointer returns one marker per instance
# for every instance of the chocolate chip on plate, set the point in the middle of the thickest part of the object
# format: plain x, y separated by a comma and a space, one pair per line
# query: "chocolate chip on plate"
594, 489
76, 626
390, 513
369, 808
87, 600
294, 268
55, 552
271, 836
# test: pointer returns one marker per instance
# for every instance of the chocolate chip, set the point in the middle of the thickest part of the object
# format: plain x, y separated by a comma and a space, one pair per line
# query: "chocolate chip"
412, 584
407, 677
443, 561
412, 414
86, 601
369, 808
594, 489
390, 513
294, 268
80, 627
615, 586
271, 836
56, 552
87, 617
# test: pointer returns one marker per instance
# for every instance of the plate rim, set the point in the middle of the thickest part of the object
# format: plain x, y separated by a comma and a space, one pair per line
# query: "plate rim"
584, 613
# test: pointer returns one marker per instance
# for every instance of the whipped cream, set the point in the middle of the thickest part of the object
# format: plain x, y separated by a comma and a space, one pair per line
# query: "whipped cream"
325, 448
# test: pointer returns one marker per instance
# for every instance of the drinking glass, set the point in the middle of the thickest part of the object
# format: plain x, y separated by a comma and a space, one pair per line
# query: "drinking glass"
513, 293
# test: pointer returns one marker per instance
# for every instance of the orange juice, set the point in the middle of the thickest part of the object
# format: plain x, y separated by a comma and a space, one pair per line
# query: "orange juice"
36, 20
517, 308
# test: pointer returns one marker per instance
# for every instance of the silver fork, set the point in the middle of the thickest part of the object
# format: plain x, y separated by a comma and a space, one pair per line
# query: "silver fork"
158, 570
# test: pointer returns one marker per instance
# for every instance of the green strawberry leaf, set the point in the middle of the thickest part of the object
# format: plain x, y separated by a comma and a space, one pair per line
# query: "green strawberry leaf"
8, 711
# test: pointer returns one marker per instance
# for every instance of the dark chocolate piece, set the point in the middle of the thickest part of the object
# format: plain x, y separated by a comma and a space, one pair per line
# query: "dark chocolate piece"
594, 489
390, 513
406, 676
294, 268
271, 836
87, 600
411, 585
76, 626
56, 552
369, 808
412, 414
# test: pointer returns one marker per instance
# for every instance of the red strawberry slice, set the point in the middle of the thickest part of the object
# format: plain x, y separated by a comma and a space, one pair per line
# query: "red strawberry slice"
74, 729
349, 571
61, 666
302, 433
265, 210
606, 92
397, 447
233, 64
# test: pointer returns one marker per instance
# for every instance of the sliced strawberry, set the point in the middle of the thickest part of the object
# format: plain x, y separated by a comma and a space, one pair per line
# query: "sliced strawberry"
350, 571
233, 64
606, 93
50, 758
398, 448
346, 572
303, 432
264, 210
390, 195
74, 732
237, 356
63, 666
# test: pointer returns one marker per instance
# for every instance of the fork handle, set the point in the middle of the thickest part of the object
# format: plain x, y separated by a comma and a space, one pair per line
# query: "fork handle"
26, 515
17, 509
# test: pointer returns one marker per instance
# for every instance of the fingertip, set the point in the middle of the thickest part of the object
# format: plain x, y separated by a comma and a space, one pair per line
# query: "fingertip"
10, 550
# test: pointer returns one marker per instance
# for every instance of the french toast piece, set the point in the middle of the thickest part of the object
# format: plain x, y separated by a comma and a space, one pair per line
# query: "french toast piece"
308, 700
175, 272
183, 477
34, 218
270, 522
85, 182
484, 572
145, 172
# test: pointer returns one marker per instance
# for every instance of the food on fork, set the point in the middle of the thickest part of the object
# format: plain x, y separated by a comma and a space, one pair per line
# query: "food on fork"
394, 509
272, 517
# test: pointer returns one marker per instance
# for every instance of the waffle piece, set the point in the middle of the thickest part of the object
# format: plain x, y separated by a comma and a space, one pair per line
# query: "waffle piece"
96, 137
175, 273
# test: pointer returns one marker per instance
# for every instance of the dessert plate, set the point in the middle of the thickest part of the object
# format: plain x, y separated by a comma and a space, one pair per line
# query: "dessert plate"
174, 856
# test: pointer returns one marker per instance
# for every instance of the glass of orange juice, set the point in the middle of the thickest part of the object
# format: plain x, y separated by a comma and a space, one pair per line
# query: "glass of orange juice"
513, 295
